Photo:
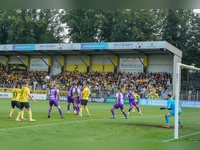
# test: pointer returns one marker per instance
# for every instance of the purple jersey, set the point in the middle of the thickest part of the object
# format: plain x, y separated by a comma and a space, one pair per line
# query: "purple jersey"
120, 98
53, 94
77, 91
79, 99
131, 97
71, 91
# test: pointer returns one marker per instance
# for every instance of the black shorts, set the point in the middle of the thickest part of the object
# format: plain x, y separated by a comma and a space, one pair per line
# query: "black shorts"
24, 104
84, 102
15, 103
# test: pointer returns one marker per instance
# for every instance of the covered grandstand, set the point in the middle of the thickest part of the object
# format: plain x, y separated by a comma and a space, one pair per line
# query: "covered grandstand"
133, 57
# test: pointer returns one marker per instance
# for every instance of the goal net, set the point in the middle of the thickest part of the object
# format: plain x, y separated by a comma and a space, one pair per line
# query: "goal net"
187, 87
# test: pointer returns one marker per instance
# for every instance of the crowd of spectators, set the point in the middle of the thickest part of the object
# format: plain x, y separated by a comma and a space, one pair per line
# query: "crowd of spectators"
102, 84
8, 79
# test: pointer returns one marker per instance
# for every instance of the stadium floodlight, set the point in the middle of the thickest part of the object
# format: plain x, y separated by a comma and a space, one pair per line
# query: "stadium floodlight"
177, 93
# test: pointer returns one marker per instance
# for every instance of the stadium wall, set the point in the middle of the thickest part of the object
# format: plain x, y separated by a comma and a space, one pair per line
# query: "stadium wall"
36, 63
160, 63
57, 63
102, 63
14, 60
125, 61
156, 63
74, 63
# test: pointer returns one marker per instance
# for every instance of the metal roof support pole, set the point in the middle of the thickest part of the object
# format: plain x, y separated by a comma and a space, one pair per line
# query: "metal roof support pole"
115, 67
21, 61
62, 67
84, 62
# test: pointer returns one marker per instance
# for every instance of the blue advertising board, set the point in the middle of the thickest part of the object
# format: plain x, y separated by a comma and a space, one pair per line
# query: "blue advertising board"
182, 103
23, 47
94, 46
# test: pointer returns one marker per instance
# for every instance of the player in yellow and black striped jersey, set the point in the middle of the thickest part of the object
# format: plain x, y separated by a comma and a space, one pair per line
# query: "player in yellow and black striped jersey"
25, 93
85, 97
15, 101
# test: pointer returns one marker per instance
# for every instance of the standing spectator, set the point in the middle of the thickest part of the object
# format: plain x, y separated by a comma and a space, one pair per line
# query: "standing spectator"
189, 94
193, 94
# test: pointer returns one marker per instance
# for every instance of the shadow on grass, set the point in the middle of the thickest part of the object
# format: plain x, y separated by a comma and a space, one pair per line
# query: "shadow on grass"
141, 125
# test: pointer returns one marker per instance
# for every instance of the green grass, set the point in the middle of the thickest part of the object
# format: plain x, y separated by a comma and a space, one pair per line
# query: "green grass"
97, 127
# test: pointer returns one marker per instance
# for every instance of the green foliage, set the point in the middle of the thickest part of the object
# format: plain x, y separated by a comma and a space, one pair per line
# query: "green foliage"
179, 27
82, 25
110, 25
30, 26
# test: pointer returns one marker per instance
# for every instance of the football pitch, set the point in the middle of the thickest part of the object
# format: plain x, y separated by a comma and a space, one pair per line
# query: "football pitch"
98, 127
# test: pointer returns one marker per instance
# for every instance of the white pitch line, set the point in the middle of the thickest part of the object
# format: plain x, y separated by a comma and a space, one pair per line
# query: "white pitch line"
47, 124
182, 137
41, 125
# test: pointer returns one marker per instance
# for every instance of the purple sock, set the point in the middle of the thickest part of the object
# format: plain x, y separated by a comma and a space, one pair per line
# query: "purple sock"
77, 109
129, 109
60, 111
49, 111
113, 113
124, 114
68, 106
138, 109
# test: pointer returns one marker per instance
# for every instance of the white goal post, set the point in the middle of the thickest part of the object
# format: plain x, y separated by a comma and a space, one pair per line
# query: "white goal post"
177, 92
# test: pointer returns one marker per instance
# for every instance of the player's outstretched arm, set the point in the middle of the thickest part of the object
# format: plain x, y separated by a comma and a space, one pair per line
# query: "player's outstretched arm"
31, 98
162, 108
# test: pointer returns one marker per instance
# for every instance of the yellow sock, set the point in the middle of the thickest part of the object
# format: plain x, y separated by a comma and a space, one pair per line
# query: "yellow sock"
87, 110
11, 111
30, 114
19, 114
22, 115
81, 110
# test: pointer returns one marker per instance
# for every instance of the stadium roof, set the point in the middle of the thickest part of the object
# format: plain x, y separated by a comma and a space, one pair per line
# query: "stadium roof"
113, 48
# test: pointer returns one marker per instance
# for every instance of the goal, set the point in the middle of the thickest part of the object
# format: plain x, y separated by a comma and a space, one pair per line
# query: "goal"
179, 66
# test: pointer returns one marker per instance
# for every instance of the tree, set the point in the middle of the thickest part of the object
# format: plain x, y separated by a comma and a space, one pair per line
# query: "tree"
144, 24
4, 25
31, 26
110, 25
181, 29
115, 25
82, 25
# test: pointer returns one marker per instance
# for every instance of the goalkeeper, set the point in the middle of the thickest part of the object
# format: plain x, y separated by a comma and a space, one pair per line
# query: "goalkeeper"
171, 107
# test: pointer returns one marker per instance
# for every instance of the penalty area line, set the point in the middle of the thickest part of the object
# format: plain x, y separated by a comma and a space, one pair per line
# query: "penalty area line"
60, 123
169, 140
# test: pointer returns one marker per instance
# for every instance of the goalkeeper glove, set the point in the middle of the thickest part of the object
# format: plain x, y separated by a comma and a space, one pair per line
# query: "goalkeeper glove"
162, 108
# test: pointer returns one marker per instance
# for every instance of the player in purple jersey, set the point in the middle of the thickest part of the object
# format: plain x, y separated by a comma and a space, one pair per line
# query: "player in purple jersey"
70, 98
77, 96
132, 102
53, 100
119, 103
